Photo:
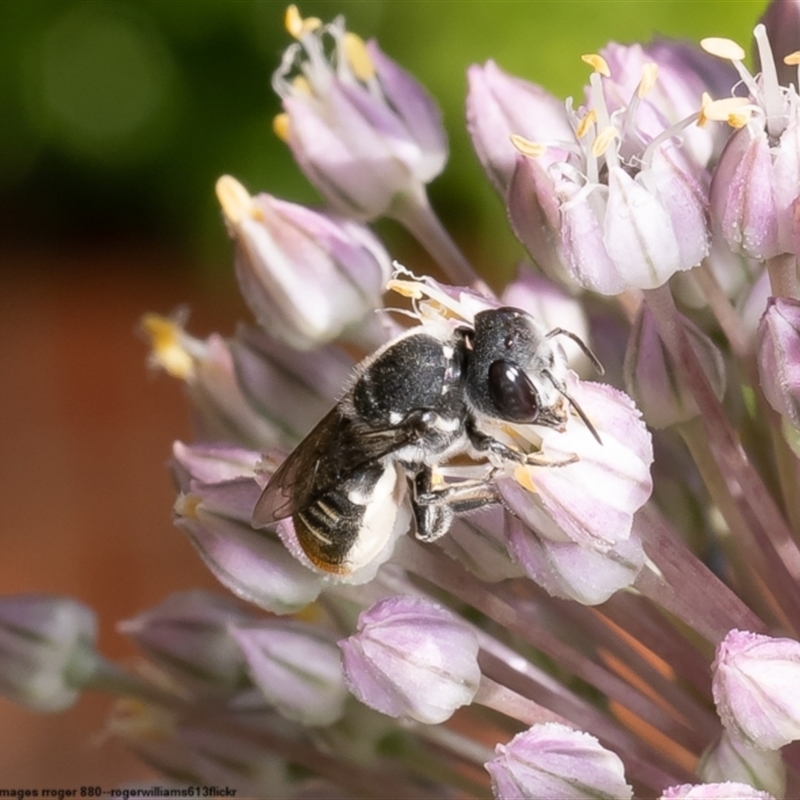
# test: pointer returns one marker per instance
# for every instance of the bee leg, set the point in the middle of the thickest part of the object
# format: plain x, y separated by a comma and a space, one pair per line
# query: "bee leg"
486, 444
435, 506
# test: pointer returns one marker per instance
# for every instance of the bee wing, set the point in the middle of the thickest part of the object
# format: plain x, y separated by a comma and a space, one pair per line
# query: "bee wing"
292, 482
334, 451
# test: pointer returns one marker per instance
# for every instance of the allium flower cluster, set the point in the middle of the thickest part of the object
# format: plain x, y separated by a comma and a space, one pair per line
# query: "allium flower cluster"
428, 500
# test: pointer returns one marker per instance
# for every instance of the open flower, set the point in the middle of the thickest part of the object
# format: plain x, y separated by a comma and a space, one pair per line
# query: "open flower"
625, 207
365, 133
309, 277
586, 482
220, 410
755, 186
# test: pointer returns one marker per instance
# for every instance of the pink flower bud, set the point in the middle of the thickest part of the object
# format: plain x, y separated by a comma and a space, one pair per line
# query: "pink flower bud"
254, 565
308, 277
554, 762
188, 636
728, 790
500, 105
730, 759
412, 658
755, 688
573, 571
211, 463
46, 650
591, 501
778, 339
654, 380
297, 668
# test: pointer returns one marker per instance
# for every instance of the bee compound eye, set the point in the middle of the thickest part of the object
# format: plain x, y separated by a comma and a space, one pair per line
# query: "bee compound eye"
512, 392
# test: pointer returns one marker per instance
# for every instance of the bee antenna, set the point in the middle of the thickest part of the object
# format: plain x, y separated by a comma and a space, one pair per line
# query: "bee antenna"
574, 403
583, 346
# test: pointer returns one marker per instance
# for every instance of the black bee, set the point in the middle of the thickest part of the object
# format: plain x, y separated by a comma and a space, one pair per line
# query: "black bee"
413, 404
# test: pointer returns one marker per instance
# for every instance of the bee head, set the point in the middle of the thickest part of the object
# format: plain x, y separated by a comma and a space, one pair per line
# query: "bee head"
515, 372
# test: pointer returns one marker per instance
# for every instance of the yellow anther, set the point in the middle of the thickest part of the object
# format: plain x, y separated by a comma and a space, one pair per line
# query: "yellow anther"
603, 140
739, 119
649, 77
736, 111
527, 147
522, 475
167, 349
358, 57
186, 505
792, 58
586, 123
597, 63
280, 125
705, 101
410, 289
296, 25
293, 21
235, 200
301, 85
723, 48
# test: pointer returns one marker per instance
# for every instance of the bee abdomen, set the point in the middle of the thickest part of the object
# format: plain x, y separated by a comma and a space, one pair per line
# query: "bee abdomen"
345, 527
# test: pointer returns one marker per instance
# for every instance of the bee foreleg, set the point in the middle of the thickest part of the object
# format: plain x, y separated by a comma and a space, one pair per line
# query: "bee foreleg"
435, 506
486, 444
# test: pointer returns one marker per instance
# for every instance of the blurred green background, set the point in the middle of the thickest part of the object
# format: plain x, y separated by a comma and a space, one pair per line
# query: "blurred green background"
116, 117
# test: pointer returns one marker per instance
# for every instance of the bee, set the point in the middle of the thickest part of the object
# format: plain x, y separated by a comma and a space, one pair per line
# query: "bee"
415, 403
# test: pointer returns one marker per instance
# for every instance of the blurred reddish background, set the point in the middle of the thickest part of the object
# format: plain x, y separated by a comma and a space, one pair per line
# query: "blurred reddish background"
85, 501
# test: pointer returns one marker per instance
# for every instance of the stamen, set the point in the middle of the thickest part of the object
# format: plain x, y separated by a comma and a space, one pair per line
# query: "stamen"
792, 58
597, 63
300, 85
293, 22
771, 94
296, 25
730, 109
358, 57
722, 48
705, 102
280, 126
527, 147
603, 140
648, 80
522, 476
168, 351
410, 289
235, 200
186, 505
584, 125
